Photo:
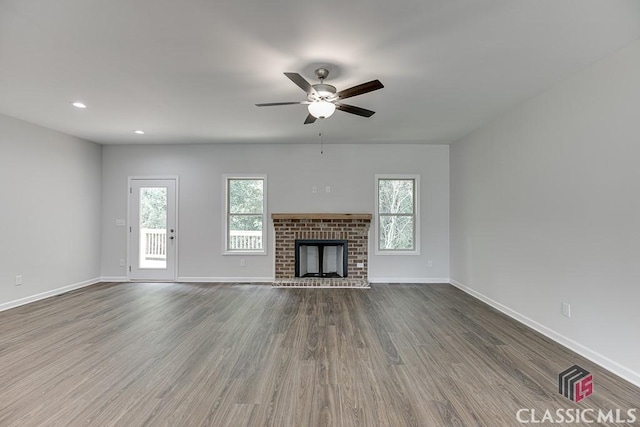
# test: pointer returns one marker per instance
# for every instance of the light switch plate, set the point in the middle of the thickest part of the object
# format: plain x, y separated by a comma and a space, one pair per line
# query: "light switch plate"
566, 309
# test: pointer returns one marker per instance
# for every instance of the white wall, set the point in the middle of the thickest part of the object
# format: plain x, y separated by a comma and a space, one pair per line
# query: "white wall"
292, 170
50, 215
545, 208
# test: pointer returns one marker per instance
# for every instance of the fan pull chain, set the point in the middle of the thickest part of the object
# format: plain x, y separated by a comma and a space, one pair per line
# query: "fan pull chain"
320, 134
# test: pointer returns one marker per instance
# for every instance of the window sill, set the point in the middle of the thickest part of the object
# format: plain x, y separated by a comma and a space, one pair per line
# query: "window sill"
244, 253
395, 253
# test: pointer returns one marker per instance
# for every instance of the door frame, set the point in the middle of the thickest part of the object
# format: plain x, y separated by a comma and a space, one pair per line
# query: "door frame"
130, 180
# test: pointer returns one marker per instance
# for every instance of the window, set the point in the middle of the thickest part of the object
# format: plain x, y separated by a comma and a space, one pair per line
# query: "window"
245, 214
397, 221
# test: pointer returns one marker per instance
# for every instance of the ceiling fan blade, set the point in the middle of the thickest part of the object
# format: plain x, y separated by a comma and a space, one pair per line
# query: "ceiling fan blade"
309, 119
360, 89
355, 110
271, 104
301, 82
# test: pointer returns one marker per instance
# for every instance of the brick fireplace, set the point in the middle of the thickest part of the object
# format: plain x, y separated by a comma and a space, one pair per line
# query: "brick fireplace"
354, 228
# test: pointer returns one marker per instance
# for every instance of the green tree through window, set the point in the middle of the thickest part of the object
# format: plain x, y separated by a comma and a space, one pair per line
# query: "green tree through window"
245, 214
153, 208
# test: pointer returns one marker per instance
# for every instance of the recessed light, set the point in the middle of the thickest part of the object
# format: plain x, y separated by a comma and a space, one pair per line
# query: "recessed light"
78, 104
139, 132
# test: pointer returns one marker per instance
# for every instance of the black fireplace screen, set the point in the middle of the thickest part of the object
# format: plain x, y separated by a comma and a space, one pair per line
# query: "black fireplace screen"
321, 258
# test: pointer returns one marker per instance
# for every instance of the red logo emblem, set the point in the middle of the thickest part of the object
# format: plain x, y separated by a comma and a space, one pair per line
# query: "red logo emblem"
575, 383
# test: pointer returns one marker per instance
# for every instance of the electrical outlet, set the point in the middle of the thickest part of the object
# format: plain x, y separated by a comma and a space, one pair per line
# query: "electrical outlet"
314, 189
430, 264
327, 189
360, 265
121, 263
566, 309
19, 280
243, 263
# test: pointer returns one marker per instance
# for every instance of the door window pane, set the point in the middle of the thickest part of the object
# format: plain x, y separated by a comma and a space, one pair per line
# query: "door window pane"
153, 227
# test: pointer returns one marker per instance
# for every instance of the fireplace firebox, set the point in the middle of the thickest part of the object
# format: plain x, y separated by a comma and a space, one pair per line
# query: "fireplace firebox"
321, 258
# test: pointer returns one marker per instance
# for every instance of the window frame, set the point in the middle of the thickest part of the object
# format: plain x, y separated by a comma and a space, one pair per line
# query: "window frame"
416, 214
227, 214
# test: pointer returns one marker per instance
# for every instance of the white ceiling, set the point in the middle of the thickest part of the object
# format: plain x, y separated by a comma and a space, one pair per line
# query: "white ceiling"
190, 71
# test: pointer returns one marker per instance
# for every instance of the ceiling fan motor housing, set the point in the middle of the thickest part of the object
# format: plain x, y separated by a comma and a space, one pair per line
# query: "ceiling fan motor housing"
324, 92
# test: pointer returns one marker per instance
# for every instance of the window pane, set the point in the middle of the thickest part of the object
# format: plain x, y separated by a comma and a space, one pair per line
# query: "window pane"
395, 196
245, 222
245, 232
396, 232
245, 196
245, 216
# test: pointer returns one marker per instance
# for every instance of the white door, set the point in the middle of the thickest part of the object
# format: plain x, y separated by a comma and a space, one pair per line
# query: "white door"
152, 229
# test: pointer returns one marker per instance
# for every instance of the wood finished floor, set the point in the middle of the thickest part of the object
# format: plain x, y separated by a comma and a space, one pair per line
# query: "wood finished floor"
139, 354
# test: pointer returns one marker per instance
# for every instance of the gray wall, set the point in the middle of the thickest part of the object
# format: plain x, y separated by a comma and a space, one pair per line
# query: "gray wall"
51, 208
292, 170
545, 209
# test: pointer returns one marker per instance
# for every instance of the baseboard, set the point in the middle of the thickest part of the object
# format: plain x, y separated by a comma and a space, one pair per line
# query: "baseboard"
226, 279
48, 294
118, 279
408, 279
186, 279
610, 365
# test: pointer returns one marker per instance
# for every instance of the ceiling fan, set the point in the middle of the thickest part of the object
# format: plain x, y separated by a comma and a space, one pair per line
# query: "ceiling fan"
323, 100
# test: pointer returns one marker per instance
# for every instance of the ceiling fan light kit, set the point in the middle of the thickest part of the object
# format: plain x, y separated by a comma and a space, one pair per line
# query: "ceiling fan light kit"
321, 109
323, 99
